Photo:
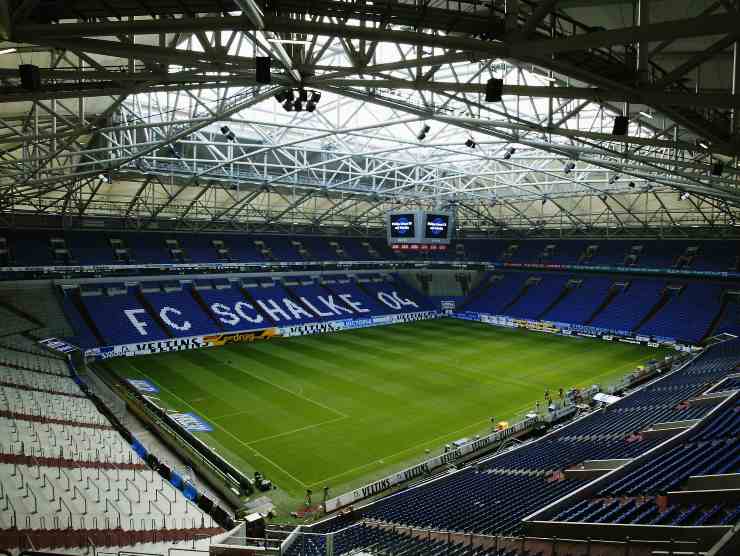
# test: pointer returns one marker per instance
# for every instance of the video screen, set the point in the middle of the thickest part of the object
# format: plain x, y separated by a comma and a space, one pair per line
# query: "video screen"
437, 226
402, 226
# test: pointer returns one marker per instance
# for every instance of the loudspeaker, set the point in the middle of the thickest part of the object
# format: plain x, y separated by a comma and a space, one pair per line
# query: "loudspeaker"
262, 63
30, 77
621, 123
717, 169
494, 88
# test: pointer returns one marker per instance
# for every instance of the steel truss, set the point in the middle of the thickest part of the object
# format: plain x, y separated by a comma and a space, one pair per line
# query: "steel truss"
128, 122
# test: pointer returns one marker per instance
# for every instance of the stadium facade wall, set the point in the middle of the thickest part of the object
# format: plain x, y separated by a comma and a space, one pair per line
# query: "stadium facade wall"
252, 335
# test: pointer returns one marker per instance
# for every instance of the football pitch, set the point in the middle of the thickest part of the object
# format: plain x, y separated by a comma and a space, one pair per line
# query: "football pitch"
342, 409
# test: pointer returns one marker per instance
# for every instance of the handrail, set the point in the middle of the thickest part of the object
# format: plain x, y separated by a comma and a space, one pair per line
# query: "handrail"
62, 502
133, 484
120, 493
76, 491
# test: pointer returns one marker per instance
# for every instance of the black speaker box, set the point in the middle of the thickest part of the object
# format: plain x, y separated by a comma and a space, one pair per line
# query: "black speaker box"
30, 77
621, 123
262, 64
494, 89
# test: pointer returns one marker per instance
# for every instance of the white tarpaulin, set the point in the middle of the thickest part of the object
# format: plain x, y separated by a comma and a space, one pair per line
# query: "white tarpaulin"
606, 398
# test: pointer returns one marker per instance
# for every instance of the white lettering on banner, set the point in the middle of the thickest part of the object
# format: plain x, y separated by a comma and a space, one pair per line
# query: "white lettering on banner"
331, 304
240, 312
394, 301
195, 342
389, 300
165, 312
138, 324
296, 309
314, 308
224, 314
242, 306
356, 305
274, 310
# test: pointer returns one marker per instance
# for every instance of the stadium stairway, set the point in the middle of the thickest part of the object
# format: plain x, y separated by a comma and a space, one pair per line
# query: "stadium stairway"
198, 298
13, 315
610, 296
520, 294
289, 289
717, 319
76, 300
251, 300
665, 298
485, 284
153, 314
566, 291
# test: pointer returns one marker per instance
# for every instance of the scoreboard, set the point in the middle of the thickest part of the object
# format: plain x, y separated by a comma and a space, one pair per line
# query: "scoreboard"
420, 230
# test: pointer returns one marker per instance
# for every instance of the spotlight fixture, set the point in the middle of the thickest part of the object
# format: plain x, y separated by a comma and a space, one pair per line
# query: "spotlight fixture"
703, 144
228, 133
544, 201
603, 198
509, 152
614, 179
313, 101
569, 167
621, 124
631, 184
494, 89
423, 133
105, 178
683, 196
470, 143
297, 100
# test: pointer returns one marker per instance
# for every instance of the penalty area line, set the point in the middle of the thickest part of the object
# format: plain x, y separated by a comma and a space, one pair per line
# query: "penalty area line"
225, 431
291, 392
307, 427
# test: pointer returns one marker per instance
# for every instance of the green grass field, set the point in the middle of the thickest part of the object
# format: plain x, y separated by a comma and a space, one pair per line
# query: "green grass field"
340, 410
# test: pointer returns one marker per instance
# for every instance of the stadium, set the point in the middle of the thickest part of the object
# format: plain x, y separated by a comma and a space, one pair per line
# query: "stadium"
370, 277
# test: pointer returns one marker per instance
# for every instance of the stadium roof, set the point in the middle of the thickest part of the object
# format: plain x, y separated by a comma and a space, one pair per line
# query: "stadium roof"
127, 122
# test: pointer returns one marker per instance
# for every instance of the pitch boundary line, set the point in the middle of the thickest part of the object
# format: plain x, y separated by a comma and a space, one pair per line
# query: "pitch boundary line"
256, 452
410, 448
297, 395
307, 427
